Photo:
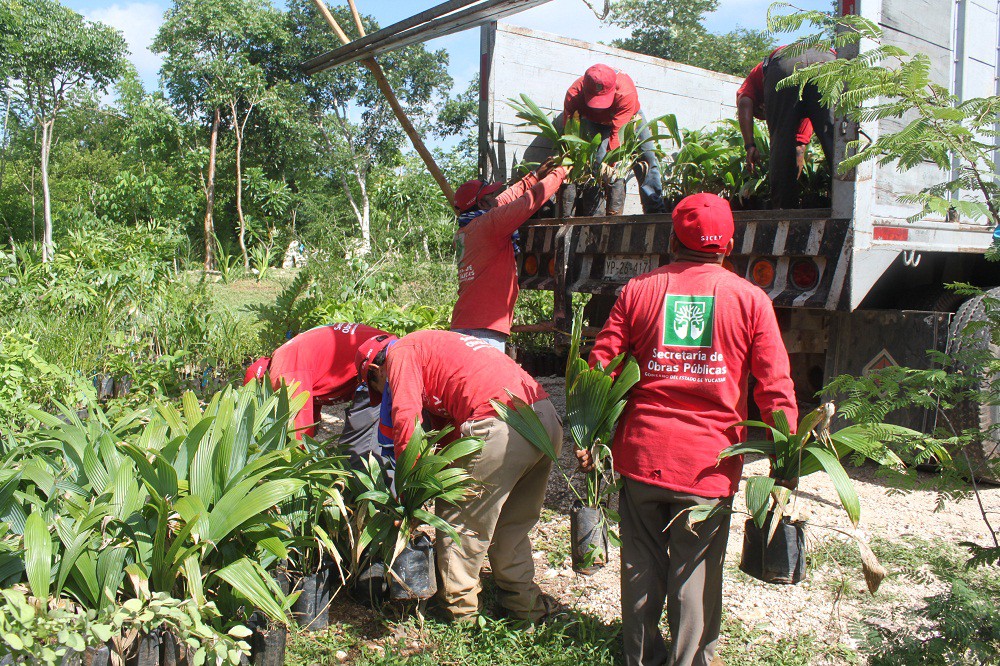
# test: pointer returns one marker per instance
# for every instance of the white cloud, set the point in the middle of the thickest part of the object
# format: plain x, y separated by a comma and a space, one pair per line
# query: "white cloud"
139, 21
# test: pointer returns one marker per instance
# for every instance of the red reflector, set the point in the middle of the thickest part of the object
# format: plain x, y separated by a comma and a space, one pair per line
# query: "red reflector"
804, 274
891, 233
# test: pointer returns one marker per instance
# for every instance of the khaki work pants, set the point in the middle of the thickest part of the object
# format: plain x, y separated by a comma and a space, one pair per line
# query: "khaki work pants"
677, 566
513, 475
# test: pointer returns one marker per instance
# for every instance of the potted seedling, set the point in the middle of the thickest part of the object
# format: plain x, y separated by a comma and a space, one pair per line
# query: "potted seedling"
774, 537
390, 512
594, 401
319, 521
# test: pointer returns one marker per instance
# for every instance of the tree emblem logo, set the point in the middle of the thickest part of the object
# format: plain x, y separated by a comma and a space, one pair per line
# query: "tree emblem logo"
688, 320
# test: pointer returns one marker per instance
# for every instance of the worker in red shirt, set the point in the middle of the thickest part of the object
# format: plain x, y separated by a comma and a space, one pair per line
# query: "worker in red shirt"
606, 101
487, 272
454, 377
791, 120
698, 331
321, 361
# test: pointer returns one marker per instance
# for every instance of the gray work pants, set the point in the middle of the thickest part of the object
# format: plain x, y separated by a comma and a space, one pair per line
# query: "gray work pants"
646, 168
675, 566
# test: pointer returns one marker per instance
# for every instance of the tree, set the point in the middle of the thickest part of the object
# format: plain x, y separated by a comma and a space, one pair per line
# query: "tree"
353, 120
215, 52
675, 30
51, 53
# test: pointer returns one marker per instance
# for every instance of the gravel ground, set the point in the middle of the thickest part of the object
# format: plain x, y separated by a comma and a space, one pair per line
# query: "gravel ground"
826, 603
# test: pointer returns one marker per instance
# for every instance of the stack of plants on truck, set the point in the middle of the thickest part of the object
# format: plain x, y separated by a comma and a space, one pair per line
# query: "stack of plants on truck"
692, 160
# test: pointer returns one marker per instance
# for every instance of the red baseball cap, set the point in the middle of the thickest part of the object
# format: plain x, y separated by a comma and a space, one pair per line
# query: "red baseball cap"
599, 83
704, 222
257, 369
469, 194
367, 352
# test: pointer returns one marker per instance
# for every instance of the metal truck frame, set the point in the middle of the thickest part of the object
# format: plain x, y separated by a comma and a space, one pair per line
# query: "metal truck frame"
855, 286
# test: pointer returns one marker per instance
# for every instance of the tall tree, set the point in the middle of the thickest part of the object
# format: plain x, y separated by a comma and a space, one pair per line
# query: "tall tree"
675, 30
352, 118
51, 53
208, 47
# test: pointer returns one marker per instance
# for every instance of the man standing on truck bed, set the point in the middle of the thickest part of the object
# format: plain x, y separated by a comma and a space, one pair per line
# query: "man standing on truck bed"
487, 272
608, 101
698, 331
321, 361
454, 377
790, 119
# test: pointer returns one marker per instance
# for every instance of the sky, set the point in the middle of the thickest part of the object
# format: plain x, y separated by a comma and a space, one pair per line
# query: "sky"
139, 20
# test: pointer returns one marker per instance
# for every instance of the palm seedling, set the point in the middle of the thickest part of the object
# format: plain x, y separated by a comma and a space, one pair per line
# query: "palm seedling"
812, 448
595, 399
573, 150
389, 513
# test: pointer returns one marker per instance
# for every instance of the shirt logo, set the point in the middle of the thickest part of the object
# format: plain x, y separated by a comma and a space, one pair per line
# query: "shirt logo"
688, 321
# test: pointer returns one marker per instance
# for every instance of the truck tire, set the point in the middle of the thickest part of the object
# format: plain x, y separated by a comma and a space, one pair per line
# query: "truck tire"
973, 413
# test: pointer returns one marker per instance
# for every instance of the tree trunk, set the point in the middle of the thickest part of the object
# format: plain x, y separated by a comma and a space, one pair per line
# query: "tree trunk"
366, 223
239, 189
210, 196
47, 247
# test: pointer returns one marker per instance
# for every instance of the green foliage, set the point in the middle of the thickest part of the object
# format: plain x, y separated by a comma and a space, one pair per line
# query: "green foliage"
886, 82
388, 515
812, 448
957, 625
675, 30
28, 381
47, 635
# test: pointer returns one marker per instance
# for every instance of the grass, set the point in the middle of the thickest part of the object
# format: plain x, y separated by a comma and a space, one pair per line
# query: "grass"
364, 638
555, 545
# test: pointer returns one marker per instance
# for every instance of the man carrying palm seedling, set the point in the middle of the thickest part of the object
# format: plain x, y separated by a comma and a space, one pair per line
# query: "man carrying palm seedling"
321, 361
698, 332
606, 101
487, 273
454, 377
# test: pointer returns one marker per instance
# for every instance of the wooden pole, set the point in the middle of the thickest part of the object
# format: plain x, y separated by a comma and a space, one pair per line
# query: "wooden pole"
386, 88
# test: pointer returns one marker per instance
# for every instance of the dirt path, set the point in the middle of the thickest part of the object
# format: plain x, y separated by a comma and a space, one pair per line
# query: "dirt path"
833, 596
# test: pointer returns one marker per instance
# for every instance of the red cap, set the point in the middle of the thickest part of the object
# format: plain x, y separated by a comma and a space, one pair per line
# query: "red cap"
470, 193
257, 369
704, 222
599, 83
367, 352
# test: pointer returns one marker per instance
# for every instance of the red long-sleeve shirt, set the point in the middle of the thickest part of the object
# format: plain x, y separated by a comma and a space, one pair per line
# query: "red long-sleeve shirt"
753, 87
698, 331
321, 360
622, 110
487, 272
453, 377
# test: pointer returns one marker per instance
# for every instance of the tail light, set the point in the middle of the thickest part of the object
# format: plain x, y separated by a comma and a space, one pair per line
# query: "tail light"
552, 267
804, 274
530, 265
729, 266
762, 273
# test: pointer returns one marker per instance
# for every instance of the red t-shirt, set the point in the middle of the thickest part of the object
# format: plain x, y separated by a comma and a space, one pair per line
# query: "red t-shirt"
753, 87
487, 272
697, 331
622, 110
321, 360
453, 377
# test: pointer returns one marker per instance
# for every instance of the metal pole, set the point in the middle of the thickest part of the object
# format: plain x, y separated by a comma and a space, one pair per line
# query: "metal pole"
397, 109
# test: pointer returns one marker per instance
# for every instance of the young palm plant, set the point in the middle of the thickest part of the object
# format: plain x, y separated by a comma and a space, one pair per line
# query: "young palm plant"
812, 448
389, 512
595, 399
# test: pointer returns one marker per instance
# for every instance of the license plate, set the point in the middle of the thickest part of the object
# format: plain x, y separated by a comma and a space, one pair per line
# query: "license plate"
622, 267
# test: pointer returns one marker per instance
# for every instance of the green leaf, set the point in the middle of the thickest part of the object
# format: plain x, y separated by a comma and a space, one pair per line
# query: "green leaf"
758, 496
841, 482
248, 580
523, 419
38, 555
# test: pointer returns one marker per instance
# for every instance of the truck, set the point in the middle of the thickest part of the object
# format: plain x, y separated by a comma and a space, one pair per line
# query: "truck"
856, 286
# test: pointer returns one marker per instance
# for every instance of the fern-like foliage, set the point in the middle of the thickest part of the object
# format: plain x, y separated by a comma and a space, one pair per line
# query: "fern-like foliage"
885, 82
